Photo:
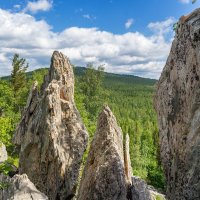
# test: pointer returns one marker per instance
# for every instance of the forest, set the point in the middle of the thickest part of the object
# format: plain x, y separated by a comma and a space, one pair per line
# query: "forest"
129, 97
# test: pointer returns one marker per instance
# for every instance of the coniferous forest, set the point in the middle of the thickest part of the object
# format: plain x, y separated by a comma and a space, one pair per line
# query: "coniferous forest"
129, 97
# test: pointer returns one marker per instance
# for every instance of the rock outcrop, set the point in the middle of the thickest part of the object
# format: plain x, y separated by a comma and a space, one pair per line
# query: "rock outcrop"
19, 188
3, 153
139, 189
108, 174
51, 135
127, 161
104, 175
177, 103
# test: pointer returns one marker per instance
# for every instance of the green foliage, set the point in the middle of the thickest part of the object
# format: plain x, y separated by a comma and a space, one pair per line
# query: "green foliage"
4, 185
7, 165
6, 98
6, 130
90, 124
91, 89
158, 197
18, 81
38, 75
13, 95
8, 116
18, 76
130, 98
5, 168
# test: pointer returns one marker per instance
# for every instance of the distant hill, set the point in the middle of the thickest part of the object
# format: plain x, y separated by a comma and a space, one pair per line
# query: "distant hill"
110, 78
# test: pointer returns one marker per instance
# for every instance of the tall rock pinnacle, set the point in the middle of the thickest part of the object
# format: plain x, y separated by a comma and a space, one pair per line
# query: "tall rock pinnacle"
177, 104
104, 175
51, 135
127, 161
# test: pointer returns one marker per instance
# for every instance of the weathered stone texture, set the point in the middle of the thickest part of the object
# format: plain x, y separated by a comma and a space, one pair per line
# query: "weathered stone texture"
51, 134
19, 188
127, 161
139, 189
177, 103
104, 174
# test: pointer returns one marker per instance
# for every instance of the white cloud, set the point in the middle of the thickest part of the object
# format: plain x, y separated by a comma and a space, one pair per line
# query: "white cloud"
129, 23
129, 53
184, 1
87, 16
17, 6
163, 27
39, 5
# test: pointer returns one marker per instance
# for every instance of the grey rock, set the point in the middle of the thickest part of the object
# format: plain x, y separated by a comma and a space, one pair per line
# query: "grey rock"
127, 162
139, 189
19, 188
51, 135
104, 175
177, 103
3, 153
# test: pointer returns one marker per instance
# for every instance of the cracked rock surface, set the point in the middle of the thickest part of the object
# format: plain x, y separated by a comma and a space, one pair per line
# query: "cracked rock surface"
51, 135
177, 103
104, 175
19, 187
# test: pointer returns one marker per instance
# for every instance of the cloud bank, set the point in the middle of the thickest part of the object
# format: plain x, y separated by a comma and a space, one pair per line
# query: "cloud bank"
40, 5
129, 53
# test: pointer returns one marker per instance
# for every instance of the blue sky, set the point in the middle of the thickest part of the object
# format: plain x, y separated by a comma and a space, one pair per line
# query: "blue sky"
108, 15
127, 36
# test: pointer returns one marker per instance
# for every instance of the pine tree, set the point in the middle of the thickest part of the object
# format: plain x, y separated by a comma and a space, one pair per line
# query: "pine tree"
92, 89
18, 74
18, 80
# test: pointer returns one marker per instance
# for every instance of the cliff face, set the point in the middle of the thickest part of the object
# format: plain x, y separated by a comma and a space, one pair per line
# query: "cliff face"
51, 135
177, 103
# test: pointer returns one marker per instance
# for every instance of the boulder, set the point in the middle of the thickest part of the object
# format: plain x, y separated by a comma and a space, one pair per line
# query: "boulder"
141, 191
19, 188
177, 103
51, 135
